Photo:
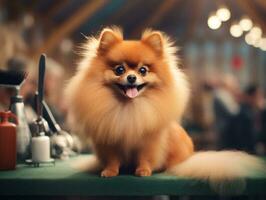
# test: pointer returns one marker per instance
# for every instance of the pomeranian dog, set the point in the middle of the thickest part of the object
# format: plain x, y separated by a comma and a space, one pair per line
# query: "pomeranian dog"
128, 97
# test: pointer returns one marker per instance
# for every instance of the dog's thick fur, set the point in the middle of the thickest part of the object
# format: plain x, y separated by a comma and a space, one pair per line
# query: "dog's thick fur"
144, 130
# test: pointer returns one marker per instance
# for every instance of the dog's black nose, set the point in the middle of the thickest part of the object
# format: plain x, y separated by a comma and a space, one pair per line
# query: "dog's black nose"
131, 78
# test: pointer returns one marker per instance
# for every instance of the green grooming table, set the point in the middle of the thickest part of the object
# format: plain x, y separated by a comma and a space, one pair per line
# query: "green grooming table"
63, 180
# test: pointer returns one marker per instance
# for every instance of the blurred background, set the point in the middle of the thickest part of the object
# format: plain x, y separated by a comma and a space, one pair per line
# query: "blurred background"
222, 48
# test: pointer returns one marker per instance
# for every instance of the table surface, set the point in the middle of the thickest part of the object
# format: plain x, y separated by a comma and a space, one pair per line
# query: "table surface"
64, 180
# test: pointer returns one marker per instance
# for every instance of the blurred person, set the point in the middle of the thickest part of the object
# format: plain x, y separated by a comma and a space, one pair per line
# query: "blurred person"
199, 117
12, 44
248, 123
261, 145
12, 57
226, 107
209, 85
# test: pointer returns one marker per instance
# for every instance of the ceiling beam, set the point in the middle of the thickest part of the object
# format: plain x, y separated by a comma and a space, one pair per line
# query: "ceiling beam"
262, 3
123, 11
80, 16
156, 16
60, 5
196, 11
46, 18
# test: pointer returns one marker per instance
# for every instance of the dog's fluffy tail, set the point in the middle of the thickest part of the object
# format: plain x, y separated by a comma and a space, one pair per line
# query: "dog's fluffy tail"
88, 163
224, 170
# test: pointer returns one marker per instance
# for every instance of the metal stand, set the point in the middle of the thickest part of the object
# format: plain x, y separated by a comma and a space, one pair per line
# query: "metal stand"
37, 164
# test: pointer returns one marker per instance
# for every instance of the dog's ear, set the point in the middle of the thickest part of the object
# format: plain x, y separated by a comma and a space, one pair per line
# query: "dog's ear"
154, 39
109, 37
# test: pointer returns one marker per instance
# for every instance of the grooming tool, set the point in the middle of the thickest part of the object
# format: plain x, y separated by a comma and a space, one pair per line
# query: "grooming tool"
53, 125
45, 125
7, 141
40, 146
13, 80
62, 142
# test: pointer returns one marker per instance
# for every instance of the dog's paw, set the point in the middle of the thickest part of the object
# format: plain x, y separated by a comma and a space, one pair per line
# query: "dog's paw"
143, 171
109, 173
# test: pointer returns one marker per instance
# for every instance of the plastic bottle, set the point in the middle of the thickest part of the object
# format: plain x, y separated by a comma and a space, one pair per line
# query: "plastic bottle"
7, 141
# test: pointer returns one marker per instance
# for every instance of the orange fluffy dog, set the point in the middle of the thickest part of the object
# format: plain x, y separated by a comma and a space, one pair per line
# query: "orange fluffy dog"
128, 97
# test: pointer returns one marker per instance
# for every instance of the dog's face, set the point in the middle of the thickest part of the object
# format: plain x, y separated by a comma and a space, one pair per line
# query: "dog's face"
122, 83
131, 67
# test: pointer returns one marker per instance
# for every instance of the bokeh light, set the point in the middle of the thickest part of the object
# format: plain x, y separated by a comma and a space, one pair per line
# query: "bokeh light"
262, 44
214, 22
236, 30
256, 32
246, 24
223, 13
249, 39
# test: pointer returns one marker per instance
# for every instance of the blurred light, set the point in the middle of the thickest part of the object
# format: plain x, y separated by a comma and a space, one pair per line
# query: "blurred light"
251, 40
223, 13
262, 44
214, 22
248, 39
256, 32
66, 46
246, 24
257, 43
28, 20
236, 30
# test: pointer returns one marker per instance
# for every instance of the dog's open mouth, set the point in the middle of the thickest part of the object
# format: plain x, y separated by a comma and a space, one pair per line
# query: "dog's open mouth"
131, 91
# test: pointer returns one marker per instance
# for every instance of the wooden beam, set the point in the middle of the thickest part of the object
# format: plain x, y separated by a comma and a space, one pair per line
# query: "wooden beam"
46, 18
262, 3
59, 5
156, 17
123, 11
196, 13
84, 13
250, 9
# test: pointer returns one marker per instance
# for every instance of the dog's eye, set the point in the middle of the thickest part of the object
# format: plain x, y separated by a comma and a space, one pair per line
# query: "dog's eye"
119, 70
143, 71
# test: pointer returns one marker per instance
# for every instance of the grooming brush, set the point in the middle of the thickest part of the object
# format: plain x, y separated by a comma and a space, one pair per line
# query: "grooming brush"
13, 80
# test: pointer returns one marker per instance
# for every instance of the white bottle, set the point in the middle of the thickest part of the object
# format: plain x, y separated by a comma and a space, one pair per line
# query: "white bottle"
40, 148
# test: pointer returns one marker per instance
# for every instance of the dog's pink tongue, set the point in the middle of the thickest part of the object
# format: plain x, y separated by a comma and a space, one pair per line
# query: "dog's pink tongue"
132, 92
